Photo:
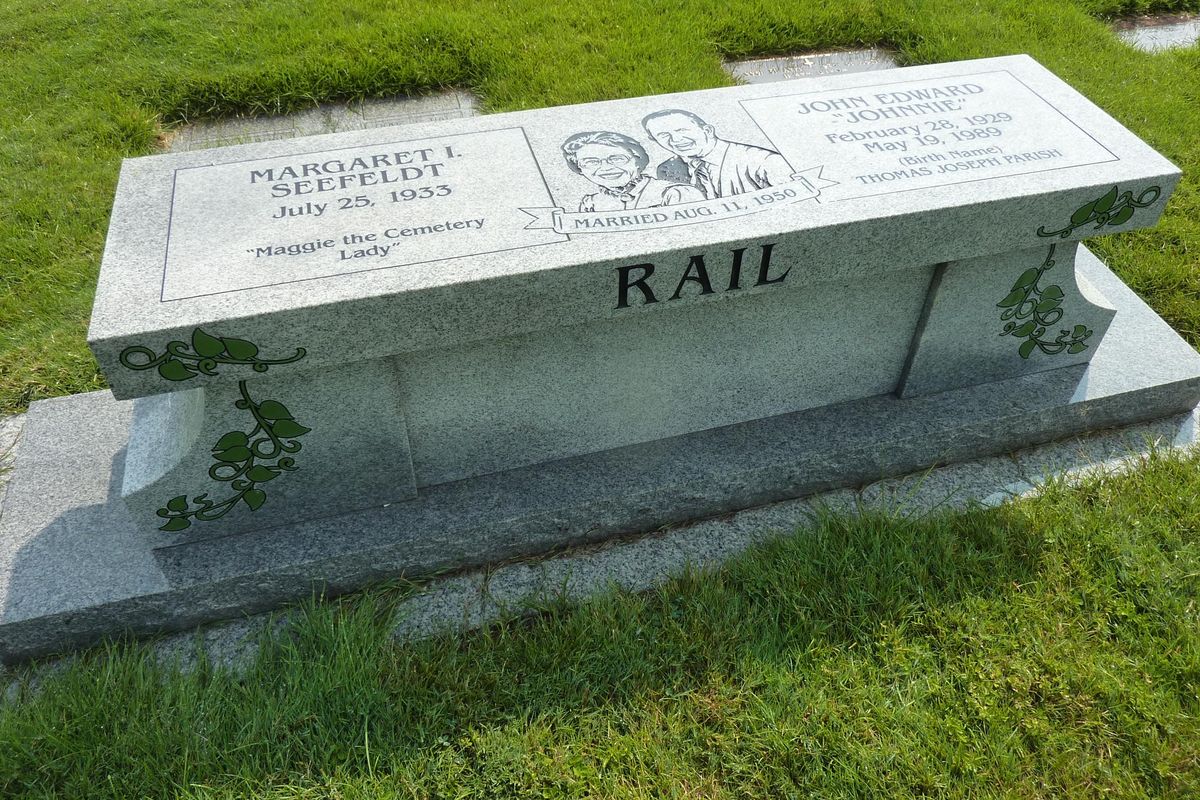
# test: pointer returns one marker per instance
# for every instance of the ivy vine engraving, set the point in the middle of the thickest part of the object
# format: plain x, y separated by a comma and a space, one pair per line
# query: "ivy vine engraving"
1030, 311
206, 353
244, 461
1109, 208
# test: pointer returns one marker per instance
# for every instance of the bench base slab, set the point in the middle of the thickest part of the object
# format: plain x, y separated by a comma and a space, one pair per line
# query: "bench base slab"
75, 570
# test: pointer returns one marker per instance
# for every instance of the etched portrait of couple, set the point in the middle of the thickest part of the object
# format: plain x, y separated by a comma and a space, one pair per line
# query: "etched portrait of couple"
701, 165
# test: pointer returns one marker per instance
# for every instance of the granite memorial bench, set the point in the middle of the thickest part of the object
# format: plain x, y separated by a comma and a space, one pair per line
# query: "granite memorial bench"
412, 349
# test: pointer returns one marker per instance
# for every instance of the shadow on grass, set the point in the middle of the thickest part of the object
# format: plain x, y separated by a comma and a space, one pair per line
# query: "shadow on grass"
869, 656
337, 697
834, 585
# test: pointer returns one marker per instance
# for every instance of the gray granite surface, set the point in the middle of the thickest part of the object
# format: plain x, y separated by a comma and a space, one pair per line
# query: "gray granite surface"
341, 445
10, 432
325, 118
1157, 33
475, 229
810, 65
520, 400
477, 597
976, 309
74, 569
474, 598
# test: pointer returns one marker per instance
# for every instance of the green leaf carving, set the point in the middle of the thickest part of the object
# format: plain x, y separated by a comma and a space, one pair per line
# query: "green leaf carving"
1015, 297
232, 439
271, 409
1122, 216
260, 474
1114, 207
1031, 311
286, 428
1082, 213
205, 345
174, 370
233, 454
206, 353
1026, 329
240, 348
1104, 203
244, 461
1027, 279
255, 498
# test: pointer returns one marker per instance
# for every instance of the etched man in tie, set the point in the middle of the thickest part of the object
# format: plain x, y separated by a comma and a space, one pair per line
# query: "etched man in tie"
715, 166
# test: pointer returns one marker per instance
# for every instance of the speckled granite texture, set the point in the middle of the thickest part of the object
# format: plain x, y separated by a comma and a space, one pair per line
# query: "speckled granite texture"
73, 569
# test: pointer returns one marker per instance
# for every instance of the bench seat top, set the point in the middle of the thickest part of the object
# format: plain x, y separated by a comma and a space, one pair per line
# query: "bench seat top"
226, 263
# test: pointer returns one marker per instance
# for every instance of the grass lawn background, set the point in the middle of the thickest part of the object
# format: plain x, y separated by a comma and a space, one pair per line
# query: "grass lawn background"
1050, 648
85, 84
1047, 649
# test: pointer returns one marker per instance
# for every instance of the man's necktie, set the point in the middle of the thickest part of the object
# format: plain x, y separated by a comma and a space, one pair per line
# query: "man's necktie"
702, 178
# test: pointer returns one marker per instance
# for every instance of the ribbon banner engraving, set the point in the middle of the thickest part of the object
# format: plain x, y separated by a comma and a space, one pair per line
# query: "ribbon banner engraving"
804, 185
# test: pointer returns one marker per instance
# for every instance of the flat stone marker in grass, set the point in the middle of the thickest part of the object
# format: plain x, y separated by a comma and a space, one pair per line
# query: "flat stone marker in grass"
810, 65
1157, 33
326, 118
411, 350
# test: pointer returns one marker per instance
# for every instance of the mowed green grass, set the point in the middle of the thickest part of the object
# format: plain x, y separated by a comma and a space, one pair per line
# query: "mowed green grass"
1046, 649
85, 84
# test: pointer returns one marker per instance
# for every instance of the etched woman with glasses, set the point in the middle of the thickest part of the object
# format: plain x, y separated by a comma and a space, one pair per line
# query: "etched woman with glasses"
616, 164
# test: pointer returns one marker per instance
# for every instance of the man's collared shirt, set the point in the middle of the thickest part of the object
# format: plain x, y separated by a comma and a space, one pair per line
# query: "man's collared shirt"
733, 168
